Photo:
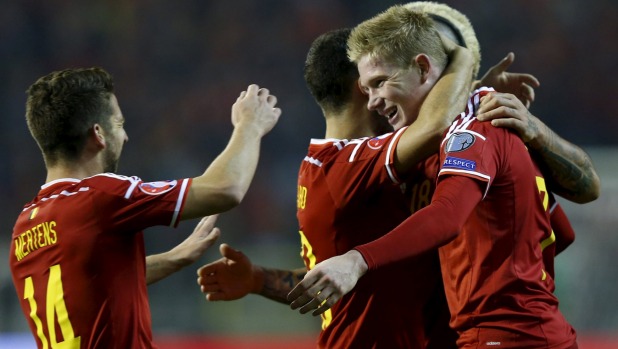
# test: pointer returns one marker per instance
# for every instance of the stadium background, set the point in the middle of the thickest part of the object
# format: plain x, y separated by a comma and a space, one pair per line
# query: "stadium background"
179, 66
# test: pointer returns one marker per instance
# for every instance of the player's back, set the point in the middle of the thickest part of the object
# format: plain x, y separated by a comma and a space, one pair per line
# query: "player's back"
80, 279
347, 196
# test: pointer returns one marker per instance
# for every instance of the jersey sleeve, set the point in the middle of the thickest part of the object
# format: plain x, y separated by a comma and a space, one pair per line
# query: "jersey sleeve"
561, 226
419, 233
470, 148
130, 204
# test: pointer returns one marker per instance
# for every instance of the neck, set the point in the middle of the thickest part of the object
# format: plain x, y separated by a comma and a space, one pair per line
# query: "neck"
77, 170
350, 123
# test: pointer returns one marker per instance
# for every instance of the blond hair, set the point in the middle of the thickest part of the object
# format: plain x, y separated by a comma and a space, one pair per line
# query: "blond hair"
397, 35
455, 20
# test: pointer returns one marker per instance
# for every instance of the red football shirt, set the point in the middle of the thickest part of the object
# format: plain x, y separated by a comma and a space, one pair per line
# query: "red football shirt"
349, 194
498, 291
78, 263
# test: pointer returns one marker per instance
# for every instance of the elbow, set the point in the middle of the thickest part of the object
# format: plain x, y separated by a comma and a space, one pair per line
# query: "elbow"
595, 188
230, 197
590, 191
215, 198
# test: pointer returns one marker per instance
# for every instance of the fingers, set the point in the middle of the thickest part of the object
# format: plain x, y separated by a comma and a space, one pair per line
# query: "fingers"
217, 296
493, 101
505, 63
213, 236
230, 253
207, 269
527, 94
528, 79
314, 298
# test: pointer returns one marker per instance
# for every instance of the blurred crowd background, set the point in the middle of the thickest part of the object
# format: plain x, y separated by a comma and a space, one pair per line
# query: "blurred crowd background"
179, 66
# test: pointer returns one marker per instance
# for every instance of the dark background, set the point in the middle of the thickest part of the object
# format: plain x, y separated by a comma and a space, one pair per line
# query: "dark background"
180, 65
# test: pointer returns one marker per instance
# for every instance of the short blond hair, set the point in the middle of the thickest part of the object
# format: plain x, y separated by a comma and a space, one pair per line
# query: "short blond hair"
397, 35
454, 19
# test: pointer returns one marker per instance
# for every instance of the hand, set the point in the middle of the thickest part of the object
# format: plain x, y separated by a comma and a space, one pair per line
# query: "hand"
451, 48
325, 284
256, 107
194, 246
229, 278
505, 110
519, 84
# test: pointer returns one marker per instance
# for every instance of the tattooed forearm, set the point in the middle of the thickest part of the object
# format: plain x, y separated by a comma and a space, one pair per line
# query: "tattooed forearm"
569, 168
278, 283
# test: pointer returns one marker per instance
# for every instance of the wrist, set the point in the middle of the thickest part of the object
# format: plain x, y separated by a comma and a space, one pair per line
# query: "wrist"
176, 259
257, 279
359, 263
248, 129
538, 138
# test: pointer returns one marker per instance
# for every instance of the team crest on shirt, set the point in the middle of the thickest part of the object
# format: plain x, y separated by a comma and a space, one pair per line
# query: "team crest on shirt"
156, 188
376, 143
459, 142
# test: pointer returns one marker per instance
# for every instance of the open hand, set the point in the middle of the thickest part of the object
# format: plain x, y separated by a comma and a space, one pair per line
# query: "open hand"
228, 278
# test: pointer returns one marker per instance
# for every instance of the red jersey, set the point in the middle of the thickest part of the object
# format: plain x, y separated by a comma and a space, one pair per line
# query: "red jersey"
78, 263
492, 241
494, 276
349, 194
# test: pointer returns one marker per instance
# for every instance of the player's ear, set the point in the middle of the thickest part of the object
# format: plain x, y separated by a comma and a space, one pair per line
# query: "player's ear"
97, 134
423, 65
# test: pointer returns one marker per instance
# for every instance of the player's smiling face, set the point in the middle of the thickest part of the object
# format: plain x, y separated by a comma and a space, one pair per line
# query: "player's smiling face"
394, 92
116, 138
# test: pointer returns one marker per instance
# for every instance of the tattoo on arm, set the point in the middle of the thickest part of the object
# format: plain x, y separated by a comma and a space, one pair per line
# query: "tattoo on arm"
278, 283
570, 169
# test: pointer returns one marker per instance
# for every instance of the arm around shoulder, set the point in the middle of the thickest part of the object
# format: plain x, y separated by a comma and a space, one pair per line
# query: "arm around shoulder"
444, 102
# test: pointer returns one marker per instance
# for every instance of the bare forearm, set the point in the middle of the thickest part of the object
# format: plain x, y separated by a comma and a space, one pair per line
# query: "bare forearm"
445, 101
226, 181
160, 266
278, 283
570, 168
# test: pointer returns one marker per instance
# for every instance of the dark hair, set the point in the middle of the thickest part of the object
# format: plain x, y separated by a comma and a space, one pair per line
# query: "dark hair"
62, 107
329, 74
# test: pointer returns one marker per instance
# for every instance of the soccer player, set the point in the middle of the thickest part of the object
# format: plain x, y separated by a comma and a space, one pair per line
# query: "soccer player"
347, 198
77, 252
457, 27
489, 210
332, 81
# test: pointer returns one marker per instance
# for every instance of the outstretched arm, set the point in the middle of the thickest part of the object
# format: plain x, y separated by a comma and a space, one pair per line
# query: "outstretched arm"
234, 276
162, 265
568, 166
226, 181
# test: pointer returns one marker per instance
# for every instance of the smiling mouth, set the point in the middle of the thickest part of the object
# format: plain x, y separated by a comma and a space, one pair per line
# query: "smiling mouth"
391, 114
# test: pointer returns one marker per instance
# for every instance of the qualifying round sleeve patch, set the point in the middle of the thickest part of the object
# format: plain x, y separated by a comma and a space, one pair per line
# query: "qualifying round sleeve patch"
459, 142
157, 188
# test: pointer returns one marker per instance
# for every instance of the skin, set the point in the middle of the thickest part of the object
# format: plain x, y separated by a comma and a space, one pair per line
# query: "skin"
159, 266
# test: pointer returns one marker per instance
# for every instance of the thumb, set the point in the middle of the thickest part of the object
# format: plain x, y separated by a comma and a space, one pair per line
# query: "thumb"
506, 62
228, 252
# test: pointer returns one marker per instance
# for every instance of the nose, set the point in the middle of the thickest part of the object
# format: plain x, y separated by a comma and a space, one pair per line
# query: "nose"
374, 101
